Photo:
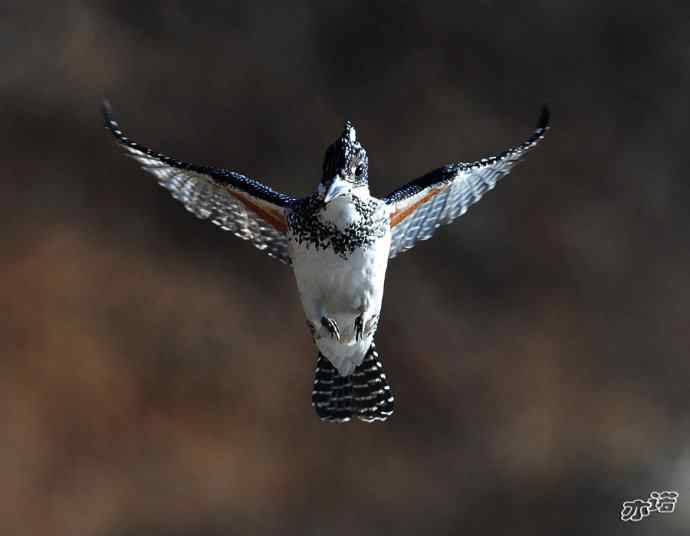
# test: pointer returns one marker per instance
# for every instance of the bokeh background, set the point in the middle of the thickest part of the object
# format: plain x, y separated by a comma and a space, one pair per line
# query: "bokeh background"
156, 372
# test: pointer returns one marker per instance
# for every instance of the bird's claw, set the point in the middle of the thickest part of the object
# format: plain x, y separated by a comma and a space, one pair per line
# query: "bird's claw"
359, 328
331, 326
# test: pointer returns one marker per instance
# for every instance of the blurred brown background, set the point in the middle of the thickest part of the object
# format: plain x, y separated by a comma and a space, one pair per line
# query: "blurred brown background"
156, 372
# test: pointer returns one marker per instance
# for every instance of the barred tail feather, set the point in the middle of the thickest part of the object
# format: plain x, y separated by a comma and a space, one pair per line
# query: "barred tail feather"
365, 394
372, 396
332, 394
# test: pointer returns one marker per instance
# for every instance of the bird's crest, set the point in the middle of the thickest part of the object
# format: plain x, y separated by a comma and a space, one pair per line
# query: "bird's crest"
349, 133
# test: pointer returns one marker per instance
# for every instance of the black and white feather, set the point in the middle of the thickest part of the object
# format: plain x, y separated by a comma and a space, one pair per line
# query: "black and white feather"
365, 394
236, 203
439, 197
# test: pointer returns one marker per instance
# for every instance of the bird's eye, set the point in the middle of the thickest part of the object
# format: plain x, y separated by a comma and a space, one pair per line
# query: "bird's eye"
359, 171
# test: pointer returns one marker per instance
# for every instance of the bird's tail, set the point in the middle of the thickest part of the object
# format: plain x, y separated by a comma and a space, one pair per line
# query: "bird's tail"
364, 394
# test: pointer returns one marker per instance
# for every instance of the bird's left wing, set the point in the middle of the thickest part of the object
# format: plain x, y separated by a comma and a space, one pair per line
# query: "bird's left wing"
418, 208
248, 208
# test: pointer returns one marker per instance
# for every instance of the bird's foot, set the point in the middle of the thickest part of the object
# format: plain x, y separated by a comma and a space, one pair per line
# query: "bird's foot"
359, 328
331, 326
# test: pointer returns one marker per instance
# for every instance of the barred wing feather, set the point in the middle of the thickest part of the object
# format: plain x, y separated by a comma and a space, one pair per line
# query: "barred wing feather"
439, 197
244, 206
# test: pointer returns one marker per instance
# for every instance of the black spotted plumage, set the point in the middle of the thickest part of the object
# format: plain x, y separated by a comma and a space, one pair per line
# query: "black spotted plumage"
365, 394
306, 225
347, 158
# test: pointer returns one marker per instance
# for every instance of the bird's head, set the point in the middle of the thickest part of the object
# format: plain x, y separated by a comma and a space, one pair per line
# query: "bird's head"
345, 167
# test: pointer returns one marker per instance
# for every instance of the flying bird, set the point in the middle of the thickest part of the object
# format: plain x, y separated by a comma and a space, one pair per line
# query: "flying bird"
338, 241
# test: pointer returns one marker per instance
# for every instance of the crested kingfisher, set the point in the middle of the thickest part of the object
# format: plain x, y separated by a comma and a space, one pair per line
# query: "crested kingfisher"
338, 241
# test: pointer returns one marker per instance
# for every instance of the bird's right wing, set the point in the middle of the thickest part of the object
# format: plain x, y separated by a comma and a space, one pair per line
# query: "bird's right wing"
419, 207
248, 208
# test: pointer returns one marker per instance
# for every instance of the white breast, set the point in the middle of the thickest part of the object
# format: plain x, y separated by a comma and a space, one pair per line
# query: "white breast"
344, 281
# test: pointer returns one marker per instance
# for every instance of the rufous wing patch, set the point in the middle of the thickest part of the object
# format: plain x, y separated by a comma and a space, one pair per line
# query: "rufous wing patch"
273, 217
402, 213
